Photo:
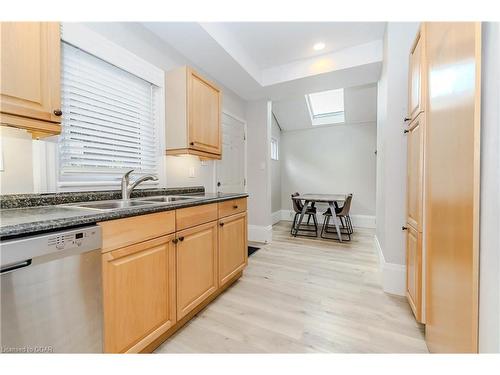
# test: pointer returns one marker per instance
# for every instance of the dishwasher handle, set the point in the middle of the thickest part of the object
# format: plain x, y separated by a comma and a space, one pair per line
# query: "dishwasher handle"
16, 266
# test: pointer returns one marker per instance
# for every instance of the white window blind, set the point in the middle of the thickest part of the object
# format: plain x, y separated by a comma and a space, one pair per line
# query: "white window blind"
108, 121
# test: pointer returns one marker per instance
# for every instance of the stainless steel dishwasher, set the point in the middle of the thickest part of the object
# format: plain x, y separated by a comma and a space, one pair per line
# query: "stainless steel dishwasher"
52, 292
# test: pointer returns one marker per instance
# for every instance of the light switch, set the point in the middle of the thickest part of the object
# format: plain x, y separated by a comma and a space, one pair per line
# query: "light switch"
191, 172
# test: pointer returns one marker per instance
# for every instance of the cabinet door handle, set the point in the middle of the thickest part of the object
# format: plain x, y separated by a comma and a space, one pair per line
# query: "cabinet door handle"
406, 131
406, 119
404, 228
175, 240
181, 239
221, 224
191, 143
57, 112
235, 207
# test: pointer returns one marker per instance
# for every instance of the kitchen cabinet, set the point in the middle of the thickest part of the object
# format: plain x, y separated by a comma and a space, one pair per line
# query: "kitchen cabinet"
193, 114
415, 170
30, 75
416, 79
196, 255
414, 271
139, 294
233, 247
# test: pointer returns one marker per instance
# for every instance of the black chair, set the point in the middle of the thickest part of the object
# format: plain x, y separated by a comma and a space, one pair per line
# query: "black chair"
343, 213
310, 212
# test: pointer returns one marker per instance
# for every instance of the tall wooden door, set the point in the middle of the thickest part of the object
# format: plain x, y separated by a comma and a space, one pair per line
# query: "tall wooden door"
30, 77
139, 294
231, 168
196, 266
204, 114
452, 195
233, 246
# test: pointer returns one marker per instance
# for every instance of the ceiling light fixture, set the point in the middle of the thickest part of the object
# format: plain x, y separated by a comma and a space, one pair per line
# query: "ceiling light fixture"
319, 46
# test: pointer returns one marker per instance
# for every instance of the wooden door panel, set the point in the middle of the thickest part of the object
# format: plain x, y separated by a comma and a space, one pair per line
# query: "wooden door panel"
415, 172
414, 271
196, 266
415, 80
233, 246
204, 115
30, 74
139, 294
452, 193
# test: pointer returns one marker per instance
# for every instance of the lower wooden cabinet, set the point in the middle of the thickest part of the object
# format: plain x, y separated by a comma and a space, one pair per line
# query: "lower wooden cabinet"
196, 266
414, 271
233, 247
138, 294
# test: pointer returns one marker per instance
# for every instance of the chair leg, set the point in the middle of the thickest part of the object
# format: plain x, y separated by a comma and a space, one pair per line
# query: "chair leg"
350, 224
308, 219
325, 226
315, 222
294, 222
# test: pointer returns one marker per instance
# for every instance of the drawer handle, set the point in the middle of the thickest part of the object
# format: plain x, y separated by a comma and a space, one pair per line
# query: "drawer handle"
191, 143
235, 206
181, 239
57, 112
221, 224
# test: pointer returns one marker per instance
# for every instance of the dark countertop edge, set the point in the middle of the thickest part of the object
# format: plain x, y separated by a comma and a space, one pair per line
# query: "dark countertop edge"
24, 229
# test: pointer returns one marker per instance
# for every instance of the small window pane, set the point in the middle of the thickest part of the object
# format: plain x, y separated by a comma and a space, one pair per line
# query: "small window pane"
326, 103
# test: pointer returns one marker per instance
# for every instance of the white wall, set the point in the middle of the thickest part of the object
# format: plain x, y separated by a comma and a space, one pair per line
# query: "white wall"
259, 171
276, 174
16, 163
489, 254
148, 46
391, 153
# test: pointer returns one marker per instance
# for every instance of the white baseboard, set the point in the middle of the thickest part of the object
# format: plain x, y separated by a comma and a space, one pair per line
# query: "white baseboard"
358, 221
276, 217
393, 275
258, 233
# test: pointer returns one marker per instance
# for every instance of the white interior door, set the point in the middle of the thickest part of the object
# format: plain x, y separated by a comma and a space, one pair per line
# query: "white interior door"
231, 170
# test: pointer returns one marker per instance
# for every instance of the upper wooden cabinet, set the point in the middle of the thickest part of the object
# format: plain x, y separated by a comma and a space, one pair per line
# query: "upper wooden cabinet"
139, 294
416, 79
193, 114
30, 77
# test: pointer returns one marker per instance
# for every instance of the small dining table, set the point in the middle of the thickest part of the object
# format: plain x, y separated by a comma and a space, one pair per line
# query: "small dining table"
331, 199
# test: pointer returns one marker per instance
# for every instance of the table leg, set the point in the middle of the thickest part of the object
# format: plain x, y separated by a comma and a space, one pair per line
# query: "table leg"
335, 220
302, 213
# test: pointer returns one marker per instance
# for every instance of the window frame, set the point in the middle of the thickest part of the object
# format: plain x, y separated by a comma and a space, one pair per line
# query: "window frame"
275, 141
330, 118
90, 42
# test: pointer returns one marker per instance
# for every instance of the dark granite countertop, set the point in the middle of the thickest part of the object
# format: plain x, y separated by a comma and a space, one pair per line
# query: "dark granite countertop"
21, 221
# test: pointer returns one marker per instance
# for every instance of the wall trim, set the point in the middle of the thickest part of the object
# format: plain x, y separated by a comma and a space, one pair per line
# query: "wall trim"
260, 233
393, 274
276, 216
359, 221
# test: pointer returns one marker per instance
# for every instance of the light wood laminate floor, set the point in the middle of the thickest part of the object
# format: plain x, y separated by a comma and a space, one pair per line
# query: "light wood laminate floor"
304, 295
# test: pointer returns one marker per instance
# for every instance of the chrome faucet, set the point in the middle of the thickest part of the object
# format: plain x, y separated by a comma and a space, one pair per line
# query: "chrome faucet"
127, 187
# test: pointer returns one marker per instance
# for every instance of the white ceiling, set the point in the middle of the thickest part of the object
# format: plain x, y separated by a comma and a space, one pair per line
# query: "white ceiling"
238, 55
360, 106
277, 43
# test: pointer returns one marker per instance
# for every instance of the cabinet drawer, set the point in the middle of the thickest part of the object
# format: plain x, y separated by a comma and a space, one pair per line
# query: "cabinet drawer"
131, 230
232, 207
192, 216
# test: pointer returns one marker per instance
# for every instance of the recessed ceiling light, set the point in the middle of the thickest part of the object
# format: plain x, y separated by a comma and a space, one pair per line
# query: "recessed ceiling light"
319, 46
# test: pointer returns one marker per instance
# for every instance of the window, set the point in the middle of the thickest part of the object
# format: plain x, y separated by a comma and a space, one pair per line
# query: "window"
326, 107
111, 117
274, 149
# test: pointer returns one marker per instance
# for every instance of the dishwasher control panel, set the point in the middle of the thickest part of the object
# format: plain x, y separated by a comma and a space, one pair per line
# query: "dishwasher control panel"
20, 249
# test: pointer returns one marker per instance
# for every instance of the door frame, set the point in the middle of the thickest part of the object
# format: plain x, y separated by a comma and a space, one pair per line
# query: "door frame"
237, 118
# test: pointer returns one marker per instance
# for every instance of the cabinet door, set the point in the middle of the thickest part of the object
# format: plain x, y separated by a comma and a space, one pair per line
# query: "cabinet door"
139, 294
414, 271
415, 172
30, 74
233, 247
196, 266
204, 132
415, 84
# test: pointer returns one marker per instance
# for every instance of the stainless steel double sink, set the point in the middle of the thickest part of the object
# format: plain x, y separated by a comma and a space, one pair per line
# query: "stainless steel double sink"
136, 202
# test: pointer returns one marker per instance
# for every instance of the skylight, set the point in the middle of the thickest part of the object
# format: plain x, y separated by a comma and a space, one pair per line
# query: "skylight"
326, 107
